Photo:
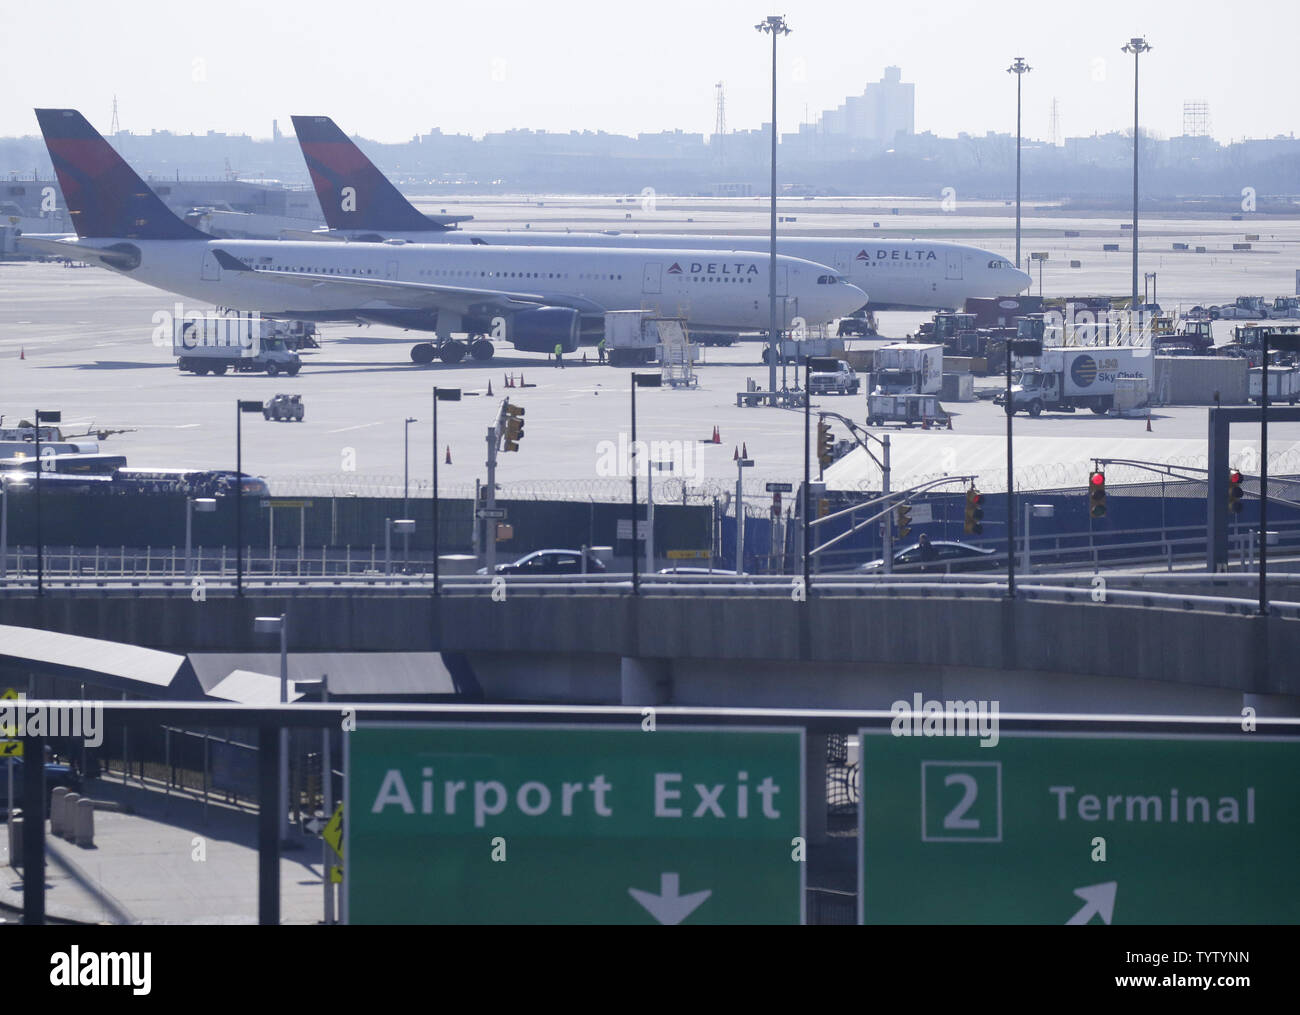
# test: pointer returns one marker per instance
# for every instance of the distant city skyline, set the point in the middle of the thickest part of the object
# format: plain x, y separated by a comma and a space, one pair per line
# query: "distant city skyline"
590, 66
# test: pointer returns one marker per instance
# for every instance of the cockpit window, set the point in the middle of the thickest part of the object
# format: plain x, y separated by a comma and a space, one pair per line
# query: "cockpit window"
999, 263
830, 279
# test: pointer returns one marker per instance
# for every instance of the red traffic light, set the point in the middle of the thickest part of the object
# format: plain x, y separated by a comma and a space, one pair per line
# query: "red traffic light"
1097, 479
1234, 476
977, 498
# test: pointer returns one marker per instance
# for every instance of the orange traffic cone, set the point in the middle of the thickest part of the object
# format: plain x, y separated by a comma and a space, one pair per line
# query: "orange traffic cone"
744, 450
735, 455
22, 352
925, 423
448, 462
489, 386
1148, 422
717, 437
521, 380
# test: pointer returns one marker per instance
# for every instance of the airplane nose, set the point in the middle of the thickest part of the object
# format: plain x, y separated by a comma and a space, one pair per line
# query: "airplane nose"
1023, 279
852, 295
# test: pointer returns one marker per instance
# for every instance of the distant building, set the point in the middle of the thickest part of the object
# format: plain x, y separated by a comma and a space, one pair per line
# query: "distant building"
884, 110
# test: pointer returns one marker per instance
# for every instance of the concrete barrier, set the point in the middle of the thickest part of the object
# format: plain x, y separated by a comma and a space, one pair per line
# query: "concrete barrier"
57, 806
70, 801
83, 823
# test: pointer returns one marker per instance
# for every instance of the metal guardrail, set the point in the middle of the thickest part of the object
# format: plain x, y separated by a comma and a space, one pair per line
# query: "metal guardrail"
757, 586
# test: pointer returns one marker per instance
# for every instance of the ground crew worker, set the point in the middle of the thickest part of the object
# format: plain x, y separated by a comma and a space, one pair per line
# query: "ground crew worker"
559, 355
600, 349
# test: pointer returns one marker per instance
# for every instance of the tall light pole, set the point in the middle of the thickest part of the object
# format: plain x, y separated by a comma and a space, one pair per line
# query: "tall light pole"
280, 625
439, 395
406, 487
49, 416
1136, 46
774, 25
1019, 68
241, 406
638, 381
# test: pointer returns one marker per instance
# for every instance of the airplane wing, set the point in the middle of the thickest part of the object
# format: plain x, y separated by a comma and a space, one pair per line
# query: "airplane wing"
416, 295
119, 255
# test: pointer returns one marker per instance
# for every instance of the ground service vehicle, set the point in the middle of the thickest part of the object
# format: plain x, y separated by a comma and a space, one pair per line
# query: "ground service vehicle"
1283, 385
283, 408
905, 409
907, 369
1063, 380
841, 381
244, 343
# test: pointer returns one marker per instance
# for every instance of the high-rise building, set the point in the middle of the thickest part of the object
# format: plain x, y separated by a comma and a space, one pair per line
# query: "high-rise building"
884, 110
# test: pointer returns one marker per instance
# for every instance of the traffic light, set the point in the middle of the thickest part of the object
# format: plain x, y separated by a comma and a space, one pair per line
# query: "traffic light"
903, 515
1235, 492
1097, 494
824, 457
974, 512
514, 432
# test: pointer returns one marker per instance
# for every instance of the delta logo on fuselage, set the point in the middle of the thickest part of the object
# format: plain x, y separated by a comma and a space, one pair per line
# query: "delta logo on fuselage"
897, 255
715, 268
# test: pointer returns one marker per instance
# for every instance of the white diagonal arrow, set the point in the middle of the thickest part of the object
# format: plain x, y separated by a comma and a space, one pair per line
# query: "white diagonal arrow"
1098, 898
669, 907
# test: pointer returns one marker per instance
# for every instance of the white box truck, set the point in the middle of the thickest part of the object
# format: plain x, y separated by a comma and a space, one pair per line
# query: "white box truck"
244, 343
908, 369
1065, 380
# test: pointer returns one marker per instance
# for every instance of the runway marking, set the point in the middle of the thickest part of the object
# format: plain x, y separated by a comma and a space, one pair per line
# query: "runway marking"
359, 426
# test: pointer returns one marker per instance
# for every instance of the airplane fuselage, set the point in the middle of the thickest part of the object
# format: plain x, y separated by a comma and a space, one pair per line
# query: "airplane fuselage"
896, 274
714, 289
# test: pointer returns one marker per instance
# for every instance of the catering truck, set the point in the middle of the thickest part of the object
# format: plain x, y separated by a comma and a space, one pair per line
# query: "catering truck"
1066, 379
908, 369
244, 343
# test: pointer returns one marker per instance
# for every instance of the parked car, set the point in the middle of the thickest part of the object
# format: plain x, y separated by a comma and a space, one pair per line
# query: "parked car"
56, 775
944, 556
551, 562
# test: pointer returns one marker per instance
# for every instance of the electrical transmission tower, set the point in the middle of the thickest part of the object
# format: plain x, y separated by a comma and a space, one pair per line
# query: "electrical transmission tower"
116, 126
720, 119
1056, 123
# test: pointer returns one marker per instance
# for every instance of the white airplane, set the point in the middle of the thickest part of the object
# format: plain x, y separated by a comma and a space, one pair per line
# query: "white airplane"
534, 297
360, 203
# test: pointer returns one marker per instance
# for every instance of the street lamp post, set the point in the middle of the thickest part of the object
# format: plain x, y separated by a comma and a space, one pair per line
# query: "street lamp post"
49, 416
439, 395
406, 486
1019, 68
1136, 46
638, 381
775, 26
280, 625
741, 465
204, 505
241, 406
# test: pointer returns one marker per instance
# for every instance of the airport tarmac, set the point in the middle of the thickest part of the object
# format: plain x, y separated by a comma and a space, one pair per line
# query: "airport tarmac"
81, 340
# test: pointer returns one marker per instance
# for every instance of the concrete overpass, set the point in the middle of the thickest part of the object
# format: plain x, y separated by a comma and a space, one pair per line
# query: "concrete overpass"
859, 645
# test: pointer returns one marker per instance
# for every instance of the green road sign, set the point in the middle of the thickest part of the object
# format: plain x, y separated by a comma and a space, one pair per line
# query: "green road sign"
1196, 829
574, 824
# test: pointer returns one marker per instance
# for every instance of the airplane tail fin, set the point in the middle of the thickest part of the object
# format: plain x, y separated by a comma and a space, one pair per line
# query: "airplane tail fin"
105, 196
353, 193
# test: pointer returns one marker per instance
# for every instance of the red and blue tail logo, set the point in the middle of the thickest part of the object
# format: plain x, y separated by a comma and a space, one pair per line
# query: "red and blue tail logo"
353, 193
105, 197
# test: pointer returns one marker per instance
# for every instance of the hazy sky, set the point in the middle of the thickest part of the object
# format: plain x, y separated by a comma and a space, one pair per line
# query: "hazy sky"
391, 70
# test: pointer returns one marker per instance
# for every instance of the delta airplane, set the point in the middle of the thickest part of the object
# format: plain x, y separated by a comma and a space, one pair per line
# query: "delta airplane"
534, 297
361, 203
